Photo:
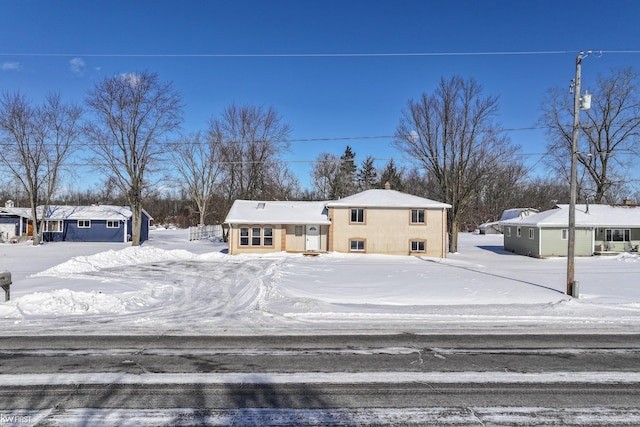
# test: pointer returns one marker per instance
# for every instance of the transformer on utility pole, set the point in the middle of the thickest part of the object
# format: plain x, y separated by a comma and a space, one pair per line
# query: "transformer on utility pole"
579, 103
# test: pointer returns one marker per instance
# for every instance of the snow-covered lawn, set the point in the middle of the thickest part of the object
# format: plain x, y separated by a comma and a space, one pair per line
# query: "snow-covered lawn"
172, 286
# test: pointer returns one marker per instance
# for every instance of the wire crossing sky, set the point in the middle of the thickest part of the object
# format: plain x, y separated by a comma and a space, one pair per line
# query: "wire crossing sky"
340, 73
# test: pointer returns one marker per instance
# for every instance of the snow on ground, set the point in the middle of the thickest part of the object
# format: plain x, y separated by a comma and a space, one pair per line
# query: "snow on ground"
172, 286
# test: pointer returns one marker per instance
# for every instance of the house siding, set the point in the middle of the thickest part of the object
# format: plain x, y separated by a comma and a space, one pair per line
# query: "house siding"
98, 232
522, 245
234, 239
547, 242
284, 239
554, 245
387, 231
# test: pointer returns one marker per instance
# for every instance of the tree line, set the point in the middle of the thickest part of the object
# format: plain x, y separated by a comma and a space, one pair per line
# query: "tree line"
129, 127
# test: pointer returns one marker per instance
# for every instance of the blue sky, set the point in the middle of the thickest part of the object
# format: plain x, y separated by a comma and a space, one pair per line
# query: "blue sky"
68, 46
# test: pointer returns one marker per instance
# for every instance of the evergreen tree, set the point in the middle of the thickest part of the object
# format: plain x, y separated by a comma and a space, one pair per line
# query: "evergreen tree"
345, 183
393, 176
367, 175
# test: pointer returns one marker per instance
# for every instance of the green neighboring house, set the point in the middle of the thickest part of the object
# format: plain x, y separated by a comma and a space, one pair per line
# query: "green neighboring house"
600, 229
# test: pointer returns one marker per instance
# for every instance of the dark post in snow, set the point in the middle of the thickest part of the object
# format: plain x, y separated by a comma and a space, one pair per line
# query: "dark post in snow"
578, 104
5, 282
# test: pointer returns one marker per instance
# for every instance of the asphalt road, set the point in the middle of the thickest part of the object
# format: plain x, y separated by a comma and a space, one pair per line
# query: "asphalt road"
323, 380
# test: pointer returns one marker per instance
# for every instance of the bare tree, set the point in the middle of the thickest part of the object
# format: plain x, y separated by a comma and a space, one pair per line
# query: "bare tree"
198, 165
133, 115
453, 135
324, 175
609, 133
251, 140
282, 184
38, 142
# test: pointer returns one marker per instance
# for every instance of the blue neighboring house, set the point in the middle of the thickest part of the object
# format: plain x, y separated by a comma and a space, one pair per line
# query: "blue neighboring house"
99, 223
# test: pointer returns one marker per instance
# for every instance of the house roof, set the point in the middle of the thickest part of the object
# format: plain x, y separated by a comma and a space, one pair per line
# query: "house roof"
386, 199
517, 212
95, 212
21, 212
277, 212
59, 212
593, 216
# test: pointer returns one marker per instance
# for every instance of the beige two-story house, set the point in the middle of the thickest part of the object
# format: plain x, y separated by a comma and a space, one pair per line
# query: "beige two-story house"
373, 221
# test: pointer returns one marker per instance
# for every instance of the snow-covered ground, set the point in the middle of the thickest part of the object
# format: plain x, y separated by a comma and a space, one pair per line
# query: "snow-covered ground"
172, 286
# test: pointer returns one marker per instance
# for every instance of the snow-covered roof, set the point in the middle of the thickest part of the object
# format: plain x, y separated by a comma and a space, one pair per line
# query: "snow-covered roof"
277, 212
22, 212
95, 212
509, 214
59, 212
593, 216
386, 199
516, 212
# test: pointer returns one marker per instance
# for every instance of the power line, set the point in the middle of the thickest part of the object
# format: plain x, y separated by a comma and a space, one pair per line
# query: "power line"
306, 55
299, 55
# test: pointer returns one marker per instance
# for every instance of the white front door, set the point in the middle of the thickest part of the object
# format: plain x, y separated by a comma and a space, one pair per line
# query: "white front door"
312, 242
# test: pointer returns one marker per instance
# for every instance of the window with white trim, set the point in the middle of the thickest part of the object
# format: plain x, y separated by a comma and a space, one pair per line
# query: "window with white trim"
357, 216
255, 236
356, 245
532, 233
618, 235
267, 236
508, 231
417, 246
53, 226
113, 224
418, 216
84, 223
244, 236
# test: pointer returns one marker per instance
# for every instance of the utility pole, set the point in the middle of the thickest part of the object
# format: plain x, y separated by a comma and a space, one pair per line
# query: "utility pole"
578, 104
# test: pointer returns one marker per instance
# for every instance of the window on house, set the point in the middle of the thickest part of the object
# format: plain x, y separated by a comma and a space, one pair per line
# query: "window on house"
113, 224
244, 236
357, 215
417, 216
618, 235
508, 231
356, 245
518, 232
298, 230
84, 223
532, 233
564, 234
268, 236
53, 226
255, 236
417, 246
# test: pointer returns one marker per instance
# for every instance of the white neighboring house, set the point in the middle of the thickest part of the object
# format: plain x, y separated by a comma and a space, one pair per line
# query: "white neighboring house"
599, 229
494, 227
